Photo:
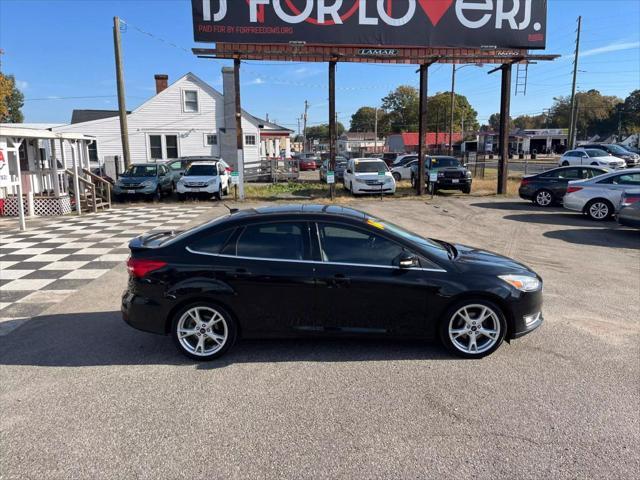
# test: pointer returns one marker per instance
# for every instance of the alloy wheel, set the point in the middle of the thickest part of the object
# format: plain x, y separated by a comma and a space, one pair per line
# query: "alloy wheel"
544, 198
474, 329
599, 210
202, 331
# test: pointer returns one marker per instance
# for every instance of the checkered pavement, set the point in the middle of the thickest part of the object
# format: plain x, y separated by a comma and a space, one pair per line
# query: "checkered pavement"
45, 264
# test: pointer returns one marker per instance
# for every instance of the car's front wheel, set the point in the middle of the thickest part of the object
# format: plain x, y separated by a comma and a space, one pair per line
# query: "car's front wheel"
397, 176
203, 331
565, 163
599, 209
473, 328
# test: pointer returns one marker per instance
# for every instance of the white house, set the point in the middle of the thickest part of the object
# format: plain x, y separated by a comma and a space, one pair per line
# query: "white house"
357, 143
186, 118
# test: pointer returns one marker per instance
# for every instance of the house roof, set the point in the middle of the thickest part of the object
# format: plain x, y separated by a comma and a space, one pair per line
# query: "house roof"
267, 125
79, 116
443, 137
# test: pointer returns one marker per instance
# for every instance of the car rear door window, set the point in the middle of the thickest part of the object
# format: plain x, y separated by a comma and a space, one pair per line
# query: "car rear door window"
343, 244
570, 174
278, 241
631, 179
211, 243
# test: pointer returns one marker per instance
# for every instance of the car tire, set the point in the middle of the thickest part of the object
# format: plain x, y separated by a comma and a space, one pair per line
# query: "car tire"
459, 335
181, 197
225, 191
599, 209
157, 196
565, 164
413, 181
543, 198
397, 177
210, 337
467, 190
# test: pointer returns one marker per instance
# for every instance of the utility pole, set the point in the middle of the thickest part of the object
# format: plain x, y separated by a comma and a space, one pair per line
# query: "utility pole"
304, 127
239, 138
619, 123
375, 133
572, 134
333, 124
122, 106
453, 104
574, 125
422, 128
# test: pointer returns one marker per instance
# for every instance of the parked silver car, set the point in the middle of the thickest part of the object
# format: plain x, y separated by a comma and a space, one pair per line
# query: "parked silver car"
629, 214
599, 197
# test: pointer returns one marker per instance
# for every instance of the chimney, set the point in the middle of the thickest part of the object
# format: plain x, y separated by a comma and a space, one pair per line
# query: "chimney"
162, 82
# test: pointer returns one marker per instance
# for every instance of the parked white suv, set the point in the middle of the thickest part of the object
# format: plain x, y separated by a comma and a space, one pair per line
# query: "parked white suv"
209, 178
591, 156
368, 175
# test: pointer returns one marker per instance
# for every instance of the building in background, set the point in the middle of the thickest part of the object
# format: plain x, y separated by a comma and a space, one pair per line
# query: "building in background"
187, 118
275, 140
353, 144
408, 142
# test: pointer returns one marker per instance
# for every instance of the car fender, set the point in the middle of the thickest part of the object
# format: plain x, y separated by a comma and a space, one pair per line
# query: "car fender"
199, 286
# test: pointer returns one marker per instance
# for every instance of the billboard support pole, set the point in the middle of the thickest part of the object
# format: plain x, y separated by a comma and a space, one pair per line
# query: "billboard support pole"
422, 147
122, 108
505, 104
239, 139
333, 127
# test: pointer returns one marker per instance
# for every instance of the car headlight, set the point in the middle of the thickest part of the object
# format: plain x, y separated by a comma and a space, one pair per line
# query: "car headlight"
147, 183
211, 182
523, 283
468, 174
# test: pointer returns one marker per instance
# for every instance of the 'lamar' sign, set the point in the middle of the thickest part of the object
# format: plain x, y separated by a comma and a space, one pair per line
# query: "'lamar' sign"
413, 23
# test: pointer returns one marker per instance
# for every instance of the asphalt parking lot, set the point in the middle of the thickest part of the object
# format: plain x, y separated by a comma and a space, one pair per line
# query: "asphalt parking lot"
85, 396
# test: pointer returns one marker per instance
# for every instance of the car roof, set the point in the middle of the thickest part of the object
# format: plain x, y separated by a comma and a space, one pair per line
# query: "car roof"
205, 162
365, 159
301, 210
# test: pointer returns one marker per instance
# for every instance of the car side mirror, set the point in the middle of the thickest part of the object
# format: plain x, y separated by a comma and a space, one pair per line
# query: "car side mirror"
408, 260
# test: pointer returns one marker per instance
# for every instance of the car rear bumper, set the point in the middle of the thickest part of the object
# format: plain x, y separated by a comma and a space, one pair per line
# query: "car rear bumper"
143, 313
628, 221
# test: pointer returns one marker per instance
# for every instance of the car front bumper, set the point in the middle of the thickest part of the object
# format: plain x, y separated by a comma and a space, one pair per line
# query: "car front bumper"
526, 313
209, 189
386, 188
123, 190
452, 184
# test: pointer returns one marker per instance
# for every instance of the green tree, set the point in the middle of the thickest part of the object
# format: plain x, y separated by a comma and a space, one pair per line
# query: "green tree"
439, 116
494, 123
402, 104
321, 132
11, 100
364, 120
526, 122
631, 113
597, 113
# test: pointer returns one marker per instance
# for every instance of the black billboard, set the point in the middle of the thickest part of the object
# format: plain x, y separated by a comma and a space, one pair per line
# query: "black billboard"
518, 24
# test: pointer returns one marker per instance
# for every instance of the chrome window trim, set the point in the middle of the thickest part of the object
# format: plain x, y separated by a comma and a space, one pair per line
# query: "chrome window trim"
313, 262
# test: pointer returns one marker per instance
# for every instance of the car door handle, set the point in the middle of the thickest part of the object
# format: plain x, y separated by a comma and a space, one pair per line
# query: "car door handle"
339, 280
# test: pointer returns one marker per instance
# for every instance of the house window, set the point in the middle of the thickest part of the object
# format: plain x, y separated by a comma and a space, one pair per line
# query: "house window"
155, 145
191, 101
163, 147
210, 140
93, 151
249, 139
172, 146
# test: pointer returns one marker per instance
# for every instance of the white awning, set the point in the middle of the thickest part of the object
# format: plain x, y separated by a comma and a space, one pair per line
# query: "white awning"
16, 131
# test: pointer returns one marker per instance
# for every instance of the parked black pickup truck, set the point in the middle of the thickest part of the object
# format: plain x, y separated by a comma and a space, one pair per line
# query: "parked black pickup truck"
452, 175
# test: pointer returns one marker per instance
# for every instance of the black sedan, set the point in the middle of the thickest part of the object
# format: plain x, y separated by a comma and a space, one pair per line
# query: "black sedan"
323, 270
548, 188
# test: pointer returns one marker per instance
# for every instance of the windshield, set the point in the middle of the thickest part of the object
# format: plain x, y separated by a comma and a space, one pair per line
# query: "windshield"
597, 153
406, 234
141, 171
444, 162
371, 167
201, 171
618, 150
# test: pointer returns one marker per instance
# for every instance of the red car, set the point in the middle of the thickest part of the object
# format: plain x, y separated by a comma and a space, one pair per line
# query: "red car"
308, 163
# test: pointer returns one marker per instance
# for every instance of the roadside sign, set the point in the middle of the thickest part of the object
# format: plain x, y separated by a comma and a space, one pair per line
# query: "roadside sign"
235, 178
331, 177
5, 177
433, 177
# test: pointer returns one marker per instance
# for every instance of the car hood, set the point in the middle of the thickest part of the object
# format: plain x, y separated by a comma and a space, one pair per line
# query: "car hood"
470, 259
198, 178
126, 180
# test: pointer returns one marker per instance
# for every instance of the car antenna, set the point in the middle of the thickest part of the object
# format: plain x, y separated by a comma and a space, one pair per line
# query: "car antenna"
231, 210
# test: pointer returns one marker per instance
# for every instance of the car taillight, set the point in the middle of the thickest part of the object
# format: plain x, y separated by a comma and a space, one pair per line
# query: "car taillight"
139, 267
524, 182
573, 189
630, 200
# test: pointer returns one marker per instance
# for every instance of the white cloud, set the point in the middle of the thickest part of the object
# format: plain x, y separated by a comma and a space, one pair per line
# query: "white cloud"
256, 81
22, 85
614, 47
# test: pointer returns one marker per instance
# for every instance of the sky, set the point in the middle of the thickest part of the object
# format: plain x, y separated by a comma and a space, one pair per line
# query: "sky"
61, 54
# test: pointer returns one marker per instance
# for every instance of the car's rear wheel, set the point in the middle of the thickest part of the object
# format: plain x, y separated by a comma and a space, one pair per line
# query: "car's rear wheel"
203, 331
543, 198
397, 176
599, 209
473, 328
565, 164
